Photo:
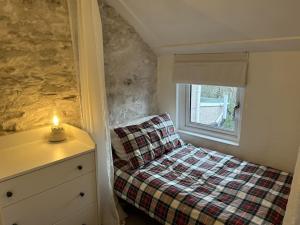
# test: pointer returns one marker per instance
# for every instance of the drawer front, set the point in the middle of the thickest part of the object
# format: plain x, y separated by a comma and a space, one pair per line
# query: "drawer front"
48, 207
24, 186
87, 216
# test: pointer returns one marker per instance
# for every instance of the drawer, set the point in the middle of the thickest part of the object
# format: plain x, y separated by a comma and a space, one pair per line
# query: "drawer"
16, 189
87, 216
48, 207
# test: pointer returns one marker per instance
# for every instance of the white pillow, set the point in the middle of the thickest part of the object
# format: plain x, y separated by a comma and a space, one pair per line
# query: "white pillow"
116, 141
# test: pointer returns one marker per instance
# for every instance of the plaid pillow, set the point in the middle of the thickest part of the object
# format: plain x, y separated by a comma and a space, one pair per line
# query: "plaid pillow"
148, 140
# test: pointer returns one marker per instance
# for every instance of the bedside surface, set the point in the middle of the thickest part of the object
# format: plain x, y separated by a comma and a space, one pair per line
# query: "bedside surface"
27, 154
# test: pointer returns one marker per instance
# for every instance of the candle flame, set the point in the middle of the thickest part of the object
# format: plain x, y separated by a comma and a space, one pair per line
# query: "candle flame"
55, 120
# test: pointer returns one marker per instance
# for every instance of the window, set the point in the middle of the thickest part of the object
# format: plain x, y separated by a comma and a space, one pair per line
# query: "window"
210, 111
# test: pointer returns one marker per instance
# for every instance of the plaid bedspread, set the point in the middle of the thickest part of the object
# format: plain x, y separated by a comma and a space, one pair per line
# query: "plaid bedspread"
198, 186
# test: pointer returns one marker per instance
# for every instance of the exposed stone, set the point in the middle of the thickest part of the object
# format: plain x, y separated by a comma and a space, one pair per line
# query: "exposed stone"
12, 115
37, 75
130, 69
9, 126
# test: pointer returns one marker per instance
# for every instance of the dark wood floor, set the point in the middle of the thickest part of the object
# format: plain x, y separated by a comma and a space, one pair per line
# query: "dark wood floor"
137, 217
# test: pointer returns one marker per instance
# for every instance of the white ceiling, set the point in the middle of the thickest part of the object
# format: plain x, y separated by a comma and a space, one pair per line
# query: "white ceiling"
214, 25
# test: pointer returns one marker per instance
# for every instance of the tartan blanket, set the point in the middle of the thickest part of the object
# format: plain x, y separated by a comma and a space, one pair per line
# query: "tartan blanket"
198, 186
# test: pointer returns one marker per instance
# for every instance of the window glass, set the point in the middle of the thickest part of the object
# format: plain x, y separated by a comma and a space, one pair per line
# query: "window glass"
214, 106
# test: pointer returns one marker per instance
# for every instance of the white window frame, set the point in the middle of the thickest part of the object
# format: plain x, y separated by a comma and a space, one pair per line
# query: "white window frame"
187, 127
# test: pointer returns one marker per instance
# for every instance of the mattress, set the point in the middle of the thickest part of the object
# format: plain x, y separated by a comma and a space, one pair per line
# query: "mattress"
199, 186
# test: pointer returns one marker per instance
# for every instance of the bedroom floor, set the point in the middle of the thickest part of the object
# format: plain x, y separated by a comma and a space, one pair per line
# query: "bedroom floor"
140, 219
135, 217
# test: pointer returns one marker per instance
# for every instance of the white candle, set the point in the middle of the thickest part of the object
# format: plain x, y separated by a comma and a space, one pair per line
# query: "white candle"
57, 131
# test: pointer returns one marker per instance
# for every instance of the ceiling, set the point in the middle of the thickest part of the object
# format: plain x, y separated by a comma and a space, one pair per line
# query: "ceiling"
214, 25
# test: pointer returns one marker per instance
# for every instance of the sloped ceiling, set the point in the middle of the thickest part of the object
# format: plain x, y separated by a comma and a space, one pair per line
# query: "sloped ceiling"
214, 25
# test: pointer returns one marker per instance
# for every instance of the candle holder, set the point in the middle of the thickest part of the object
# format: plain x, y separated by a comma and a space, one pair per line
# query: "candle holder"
57, 131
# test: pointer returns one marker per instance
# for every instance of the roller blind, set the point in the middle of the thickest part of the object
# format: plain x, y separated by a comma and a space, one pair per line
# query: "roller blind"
225, 69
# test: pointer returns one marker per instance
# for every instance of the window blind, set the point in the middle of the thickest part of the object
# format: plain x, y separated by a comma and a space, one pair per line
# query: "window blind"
223, 69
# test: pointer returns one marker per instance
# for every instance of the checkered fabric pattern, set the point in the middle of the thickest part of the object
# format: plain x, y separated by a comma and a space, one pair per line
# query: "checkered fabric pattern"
192, 185
149, 140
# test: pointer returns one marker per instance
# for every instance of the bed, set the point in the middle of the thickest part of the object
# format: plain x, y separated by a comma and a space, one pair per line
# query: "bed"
189, 185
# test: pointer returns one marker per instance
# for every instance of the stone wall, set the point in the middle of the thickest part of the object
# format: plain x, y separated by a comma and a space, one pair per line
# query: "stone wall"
37, 73
130, 68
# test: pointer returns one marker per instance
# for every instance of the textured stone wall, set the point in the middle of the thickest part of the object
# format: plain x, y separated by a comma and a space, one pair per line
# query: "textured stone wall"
36, 65
130, 67
37, 75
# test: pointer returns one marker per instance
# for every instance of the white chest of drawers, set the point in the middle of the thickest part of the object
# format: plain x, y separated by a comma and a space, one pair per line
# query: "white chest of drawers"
47, 184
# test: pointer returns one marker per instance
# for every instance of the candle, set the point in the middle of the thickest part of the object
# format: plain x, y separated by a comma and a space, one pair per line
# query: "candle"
57, 131
55, 121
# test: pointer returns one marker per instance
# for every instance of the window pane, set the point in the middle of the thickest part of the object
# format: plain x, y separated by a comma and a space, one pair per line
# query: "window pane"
213, 106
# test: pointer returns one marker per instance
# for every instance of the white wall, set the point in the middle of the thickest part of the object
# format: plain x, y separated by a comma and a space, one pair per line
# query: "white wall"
271, 117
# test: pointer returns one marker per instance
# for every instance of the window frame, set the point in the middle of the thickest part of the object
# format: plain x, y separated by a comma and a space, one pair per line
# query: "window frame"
186, 126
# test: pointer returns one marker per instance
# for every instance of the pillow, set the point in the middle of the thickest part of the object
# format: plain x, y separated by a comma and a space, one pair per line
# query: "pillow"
116, 141
146, 141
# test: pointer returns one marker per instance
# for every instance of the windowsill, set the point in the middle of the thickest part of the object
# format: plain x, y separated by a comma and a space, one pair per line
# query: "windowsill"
196, 135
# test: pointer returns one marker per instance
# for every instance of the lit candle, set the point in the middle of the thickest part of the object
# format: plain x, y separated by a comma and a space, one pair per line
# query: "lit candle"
57, 131
55, 121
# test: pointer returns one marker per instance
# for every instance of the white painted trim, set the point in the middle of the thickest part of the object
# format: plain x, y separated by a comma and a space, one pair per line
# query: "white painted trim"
195, 135
251, 45
233, 41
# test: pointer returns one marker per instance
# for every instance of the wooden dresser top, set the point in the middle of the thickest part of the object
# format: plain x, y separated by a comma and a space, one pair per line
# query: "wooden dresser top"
27, 151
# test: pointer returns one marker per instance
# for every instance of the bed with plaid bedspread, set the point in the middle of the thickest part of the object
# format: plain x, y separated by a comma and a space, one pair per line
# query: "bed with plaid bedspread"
192, 185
